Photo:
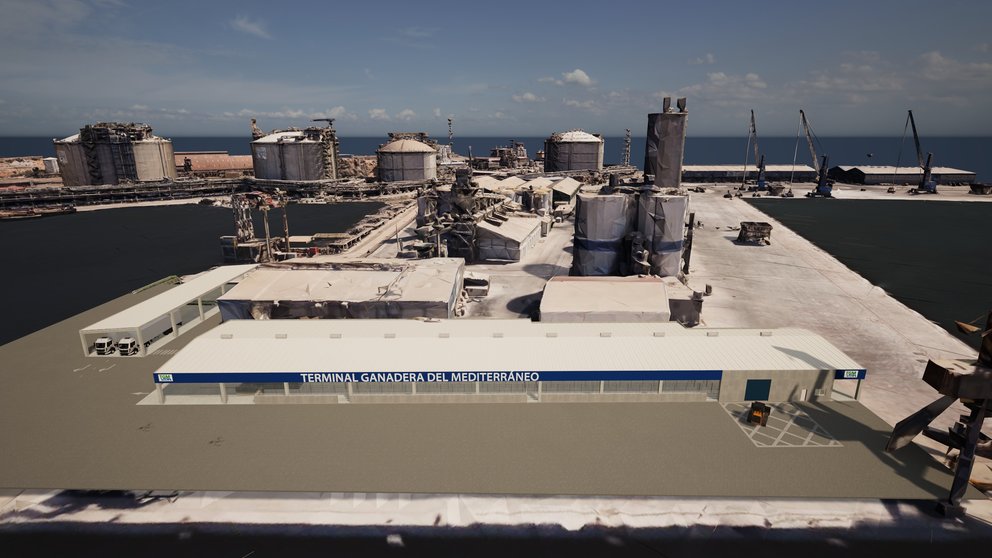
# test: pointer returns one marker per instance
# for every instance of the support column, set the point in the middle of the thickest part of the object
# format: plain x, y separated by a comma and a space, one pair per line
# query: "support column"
199, 306
539, 390
86, 347
161, 394
285, 388
661, 384
602, 386
350, 391
857, 390
175, 328
223, 393
141, 342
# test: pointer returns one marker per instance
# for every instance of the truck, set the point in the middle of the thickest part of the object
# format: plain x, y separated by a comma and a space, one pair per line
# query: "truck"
105, 346
127, 346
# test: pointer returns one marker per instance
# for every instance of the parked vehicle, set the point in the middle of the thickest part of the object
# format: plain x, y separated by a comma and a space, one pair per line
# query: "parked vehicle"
127, 346
105, 346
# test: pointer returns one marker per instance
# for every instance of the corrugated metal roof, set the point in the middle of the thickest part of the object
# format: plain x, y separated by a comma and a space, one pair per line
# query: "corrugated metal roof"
567, 186
406, 146
214, 161
750, 168
251, 346
537, 183
611, 299
510, 182
432, 279
159, 305
878, 169
518, 229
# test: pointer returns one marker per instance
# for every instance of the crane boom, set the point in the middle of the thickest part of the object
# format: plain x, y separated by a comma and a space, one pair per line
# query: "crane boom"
916, 139
809, 141
754, 132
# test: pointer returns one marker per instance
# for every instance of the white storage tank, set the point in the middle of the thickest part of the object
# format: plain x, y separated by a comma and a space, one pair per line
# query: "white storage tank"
405, 158
114, 152
299, 155
573, 150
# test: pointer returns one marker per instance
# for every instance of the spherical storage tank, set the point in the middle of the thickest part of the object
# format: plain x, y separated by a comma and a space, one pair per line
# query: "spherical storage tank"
406, 159
573, 150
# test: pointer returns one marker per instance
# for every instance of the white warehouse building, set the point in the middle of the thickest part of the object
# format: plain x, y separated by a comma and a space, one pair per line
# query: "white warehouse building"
434, 361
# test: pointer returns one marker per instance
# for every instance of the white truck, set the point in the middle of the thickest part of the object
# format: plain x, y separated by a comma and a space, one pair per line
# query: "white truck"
105, 346
127, 346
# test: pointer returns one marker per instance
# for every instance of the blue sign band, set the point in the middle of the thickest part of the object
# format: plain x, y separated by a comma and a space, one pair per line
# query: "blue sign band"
850, 374
434, 377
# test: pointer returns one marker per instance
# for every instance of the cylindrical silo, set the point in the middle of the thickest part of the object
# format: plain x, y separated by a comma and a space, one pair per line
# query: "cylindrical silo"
406, 159
114, 152
602, 221
573, 150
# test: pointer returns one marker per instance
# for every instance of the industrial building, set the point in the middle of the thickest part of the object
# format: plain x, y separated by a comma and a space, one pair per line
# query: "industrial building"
871, 174
114, 153
573, 150
407, 156
436, 361
633, 299
510, 240
329, 287
213, 163
294, 154
737, 173
164, 317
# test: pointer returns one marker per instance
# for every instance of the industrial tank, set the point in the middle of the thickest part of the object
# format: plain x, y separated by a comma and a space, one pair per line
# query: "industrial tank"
405, 158
573, 150
114, 152
293, 154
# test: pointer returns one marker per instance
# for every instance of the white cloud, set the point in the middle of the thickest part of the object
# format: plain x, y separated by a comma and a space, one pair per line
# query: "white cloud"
527, 97
722, 89
549, 79
139, 107
437, 112
378, 114
708, 58
406, 115
251, 27
938, 67
588, 104
579, 77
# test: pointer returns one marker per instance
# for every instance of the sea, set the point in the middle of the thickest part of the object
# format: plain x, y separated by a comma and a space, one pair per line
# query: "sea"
56, 267
968, 153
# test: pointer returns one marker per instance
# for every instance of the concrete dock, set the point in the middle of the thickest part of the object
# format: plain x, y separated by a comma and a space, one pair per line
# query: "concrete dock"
73, 422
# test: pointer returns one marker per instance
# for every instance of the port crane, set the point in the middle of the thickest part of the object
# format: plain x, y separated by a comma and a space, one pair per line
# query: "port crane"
824, 186
967, 381
927, 184
759, 159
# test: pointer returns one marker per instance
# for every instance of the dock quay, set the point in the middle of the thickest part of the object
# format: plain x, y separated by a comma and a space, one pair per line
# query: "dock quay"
117, 193
472, 470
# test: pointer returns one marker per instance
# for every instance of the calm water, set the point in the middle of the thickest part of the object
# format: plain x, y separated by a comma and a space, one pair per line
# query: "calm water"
964, 153
59, 266
932, 256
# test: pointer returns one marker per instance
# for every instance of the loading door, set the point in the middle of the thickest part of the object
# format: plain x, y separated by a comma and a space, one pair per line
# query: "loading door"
757, 390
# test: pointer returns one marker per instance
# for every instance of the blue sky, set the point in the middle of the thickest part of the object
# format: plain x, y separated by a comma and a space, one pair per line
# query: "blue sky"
508, 68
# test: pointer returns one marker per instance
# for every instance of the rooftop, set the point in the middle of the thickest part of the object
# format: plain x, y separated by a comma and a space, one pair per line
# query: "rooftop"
406, 146
287, 346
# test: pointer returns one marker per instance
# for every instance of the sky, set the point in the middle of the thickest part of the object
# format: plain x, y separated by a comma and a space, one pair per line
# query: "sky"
508, 68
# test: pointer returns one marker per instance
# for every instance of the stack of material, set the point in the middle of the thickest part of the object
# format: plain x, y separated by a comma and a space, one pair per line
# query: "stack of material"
605, 299
601, 223
662, 219
332, 288
509, 241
